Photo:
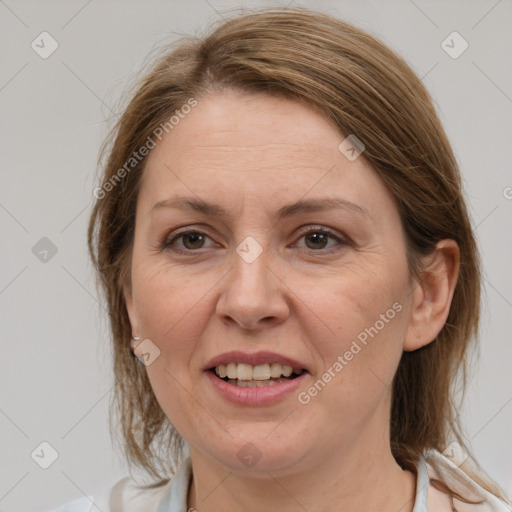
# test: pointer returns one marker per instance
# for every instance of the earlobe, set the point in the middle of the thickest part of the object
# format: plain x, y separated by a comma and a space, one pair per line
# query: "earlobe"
432, 295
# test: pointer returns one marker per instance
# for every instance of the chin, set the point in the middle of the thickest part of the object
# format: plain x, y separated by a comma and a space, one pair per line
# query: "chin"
257, 455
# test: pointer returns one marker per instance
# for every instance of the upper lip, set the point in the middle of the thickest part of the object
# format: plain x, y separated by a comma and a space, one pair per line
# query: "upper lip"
253, 359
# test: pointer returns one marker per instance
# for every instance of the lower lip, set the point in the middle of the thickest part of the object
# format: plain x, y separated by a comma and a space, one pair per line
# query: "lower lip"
265, 395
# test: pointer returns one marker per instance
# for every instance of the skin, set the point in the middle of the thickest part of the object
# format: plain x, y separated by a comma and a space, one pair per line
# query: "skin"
304, 298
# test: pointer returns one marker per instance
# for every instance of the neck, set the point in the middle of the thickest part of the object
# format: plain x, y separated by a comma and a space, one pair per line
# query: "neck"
355, 480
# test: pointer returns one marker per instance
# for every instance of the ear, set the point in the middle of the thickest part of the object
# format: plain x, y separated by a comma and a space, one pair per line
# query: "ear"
432, 295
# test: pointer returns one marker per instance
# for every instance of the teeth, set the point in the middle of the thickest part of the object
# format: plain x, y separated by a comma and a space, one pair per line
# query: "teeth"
287, 371
275, 370
261, 372
255, 383
246, 372
231, 371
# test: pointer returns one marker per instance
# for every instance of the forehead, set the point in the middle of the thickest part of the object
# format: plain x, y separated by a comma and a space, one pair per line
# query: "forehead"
259, 129
234, 144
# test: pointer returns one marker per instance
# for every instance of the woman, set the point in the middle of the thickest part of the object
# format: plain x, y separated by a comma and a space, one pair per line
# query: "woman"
284, 246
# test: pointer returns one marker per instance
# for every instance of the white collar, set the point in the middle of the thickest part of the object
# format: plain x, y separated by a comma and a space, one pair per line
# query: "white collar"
422, 484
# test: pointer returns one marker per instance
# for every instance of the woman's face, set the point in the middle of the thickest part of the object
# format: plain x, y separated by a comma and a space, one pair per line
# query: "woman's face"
322, 287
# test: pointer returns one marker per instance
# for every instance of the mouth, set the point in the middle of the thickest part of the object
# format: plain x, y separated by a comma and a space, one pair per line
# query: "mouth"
255, 379
261, 375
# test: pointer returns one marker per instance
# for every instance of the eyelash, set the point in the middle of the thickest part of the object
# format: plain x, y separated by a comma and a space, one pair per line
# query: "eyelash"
168, 244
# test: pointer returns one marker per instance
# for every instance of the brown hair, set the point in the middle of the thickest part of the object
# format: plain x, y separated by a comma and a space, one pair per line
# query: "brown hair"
365, 89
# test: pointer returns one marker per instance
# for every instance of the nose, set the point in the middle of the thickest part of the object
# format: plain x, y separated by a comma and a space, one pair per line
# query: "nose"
253, 295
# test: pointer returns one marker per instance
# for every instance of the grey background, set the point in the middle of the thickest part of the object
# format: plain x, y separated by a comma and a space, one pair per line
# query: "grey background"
55, 367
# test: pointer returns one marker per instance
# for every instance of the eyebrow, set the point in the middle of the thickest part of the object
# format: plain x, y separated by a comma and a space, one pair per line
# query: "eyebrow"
286, 211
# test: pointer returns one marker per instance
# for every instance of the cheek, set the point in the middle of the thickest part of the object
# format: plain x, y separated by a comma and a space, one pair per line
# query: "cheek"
168, 307
356, 302
356, 323
165, 301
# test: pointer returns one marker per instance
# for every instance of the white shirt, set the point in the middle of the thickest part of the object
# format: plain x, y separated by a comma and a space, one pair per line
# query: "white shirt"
125, 497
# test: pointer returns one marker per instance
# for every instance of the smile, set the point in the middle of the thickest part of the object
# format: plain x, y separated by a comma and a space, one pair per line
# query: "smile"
255, 379
246, 375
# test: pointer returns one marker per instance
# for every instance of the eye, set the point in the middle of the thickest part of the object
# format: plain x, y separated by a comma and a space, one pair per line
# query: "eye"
191, 240
317, 239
